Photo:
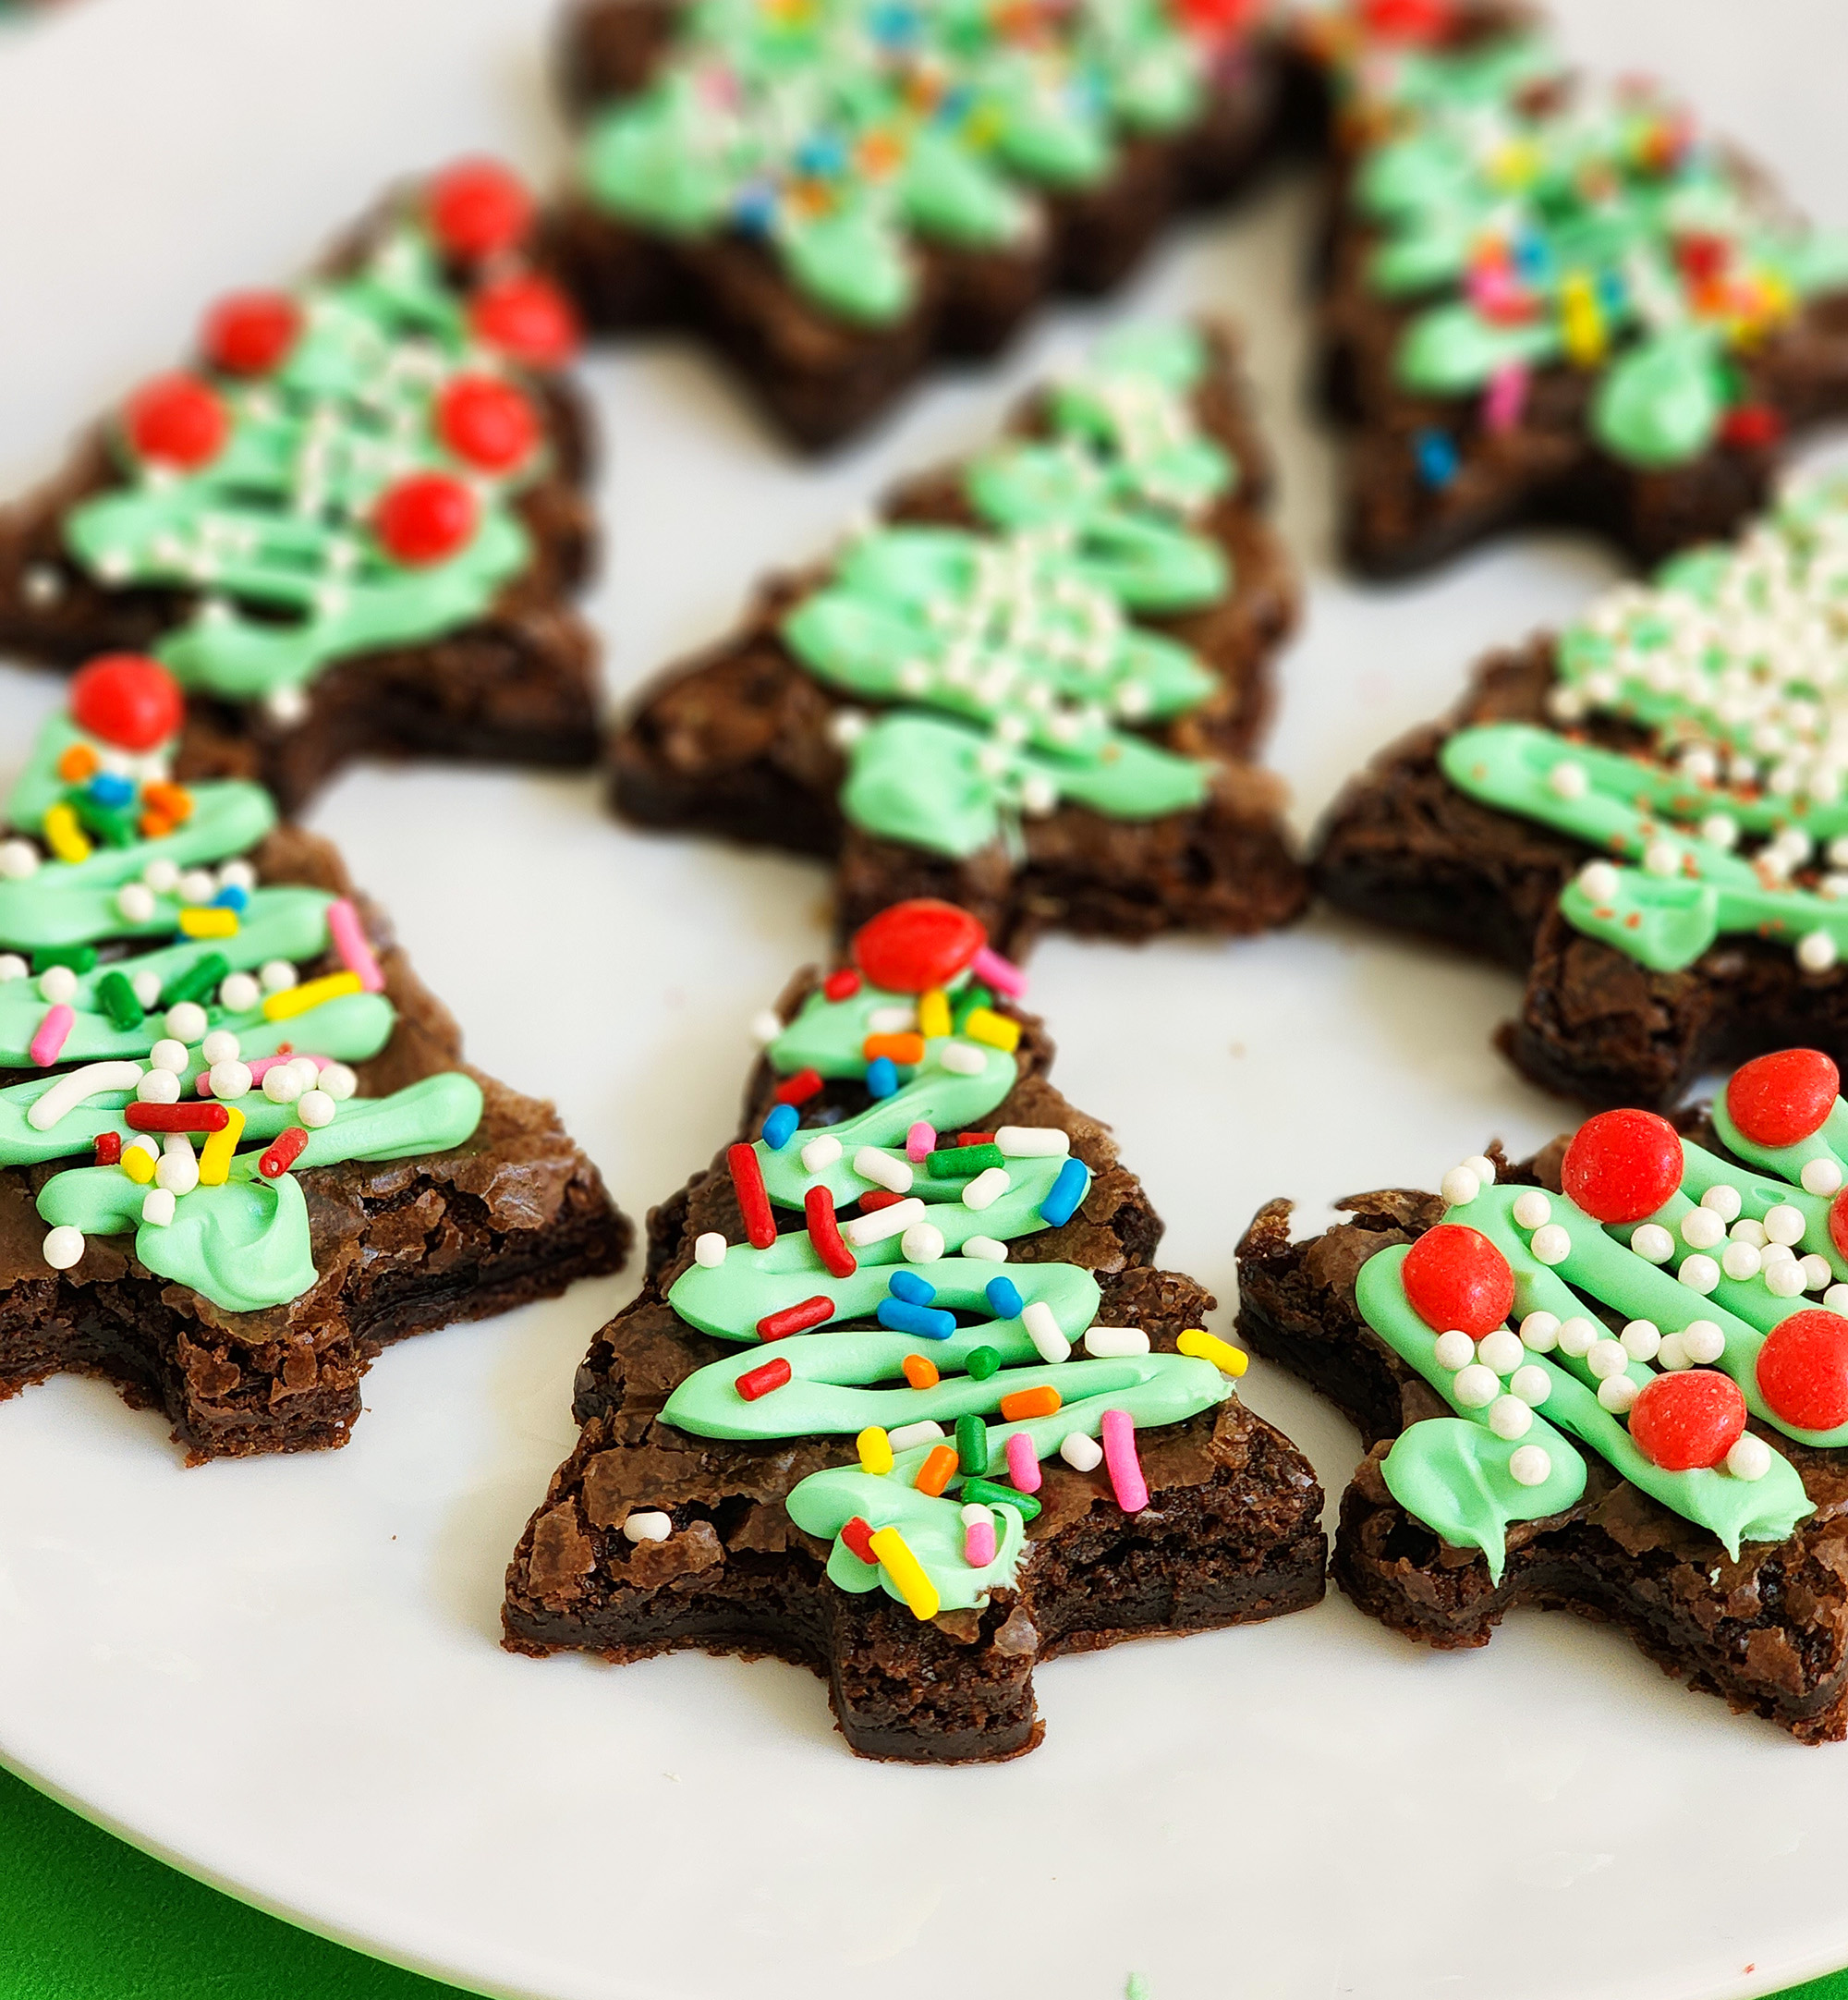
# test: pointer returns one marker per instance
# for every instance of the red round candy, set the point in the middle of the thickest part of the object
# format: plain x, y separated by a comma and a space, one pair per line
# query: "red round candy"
1406, 20
1838, 1222
915, 946
250, 333
1217, 16
478, 209
1778, 1100
527, 318
487, 421
177, 421
425, 517
125, 700
1684, 1422
1621, 1165
1455, 1277
1803, 1370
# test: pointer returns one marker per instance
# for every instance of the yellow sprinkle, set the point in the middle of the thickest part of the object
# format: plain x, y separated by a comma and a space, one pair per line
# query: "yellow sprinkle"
906, 1571
65, 835
985, 1024
875, 1449
202, 922
293, 1000
138, 1163
933, 1013
1206, 1347
214, 1156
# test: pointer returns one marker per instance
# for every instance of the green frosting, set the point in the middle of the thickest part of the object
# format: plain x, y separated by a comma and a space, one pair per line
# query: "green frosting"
845, 1380
834, 130
1729, 663
274, 532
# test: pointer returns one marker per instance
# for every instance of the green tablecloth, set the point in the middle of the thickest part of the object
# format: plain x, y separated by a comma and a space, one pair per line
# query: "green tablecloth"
84, 1917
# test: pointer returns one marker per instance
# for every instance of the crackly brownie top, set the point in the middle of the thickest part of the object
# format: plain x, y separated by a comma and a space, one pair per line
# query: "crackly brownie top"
338, 471
1001, 669
150, 986
1526, 222
829, 131
1646, 1312
908, 1326
1733, 817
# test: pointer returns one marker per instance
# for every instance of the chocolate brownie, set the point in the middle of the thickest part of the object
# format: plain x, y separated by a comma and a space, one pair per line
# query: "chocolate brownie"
176, 970
1602, 1382
837, 199
354, 523
1551, 299
799, 1504
1642, 816
1031, 689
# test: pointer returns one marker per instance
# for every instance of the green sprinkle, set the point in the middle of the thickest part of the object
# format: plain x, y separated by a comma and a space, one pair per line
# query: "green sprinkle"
972, 996
963, 1163
1138, 1988
116, 995
78, 958
992, 1495
982, 1362
114, 825
971, 1446
201, 977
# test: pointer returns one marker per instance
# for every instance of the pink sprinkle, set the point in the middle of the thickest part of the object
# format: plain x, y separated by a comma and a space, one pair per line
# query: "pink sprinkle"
978, 1544
920, 1142
53, 1030
1023, 1462
1121, 1462
1000, 974
1505, 397
349, 941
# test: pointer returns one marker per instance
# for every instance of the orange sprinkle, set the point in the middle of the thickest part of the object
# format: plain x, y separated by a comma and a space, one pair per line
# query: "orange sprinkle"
920, 1371
76, 763
895, 1048
173, 801
1039, 1402
933, 1475
155, 826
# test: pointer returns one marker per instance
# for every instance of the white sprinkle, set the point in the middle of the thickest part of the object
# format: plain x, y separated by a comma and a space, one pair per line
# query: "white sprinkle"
884, 1223
821, 1153
12, 967
1724, 1199
1784, 1280
1043, 1329
1719, 829
764, 1027
314, 1108
1476, 1386
185, 1022
58, 985
1454, 1349
1702, 1341
1653, 1243
922, 1243
1459, 1187
134, 903
960, 1058
178, 1169
991, 1250
1483, 1168
1532, 1209
220, 1047
1500, 1350
883, 1169
239, 994
1510, 1417
1107, 1343
1569, 780
1701, 1228
1748, 1229
276, 975
652, 1526
197, 887
1617, 1392
1577, 1336
1607, 1357
157, 1207
975, 1514
1816, 951
161, 876
147, 987
63, 1247
1672, 1354
338, 1082
1599, 882
987, 1188
1661, 858
1785, 1222
158, 1087
232, 1080
1552, 1243
1641, 1340
1817, 1272
1082, 1452
1822, 1176
1539, 1332
1531, 1383
1750, 1458
70, 1090
891, 1020
1700, 1273
19, 860
1032, 1141
281, 1085
709, 1246
1530, 1466
926, 1431
1836, 1299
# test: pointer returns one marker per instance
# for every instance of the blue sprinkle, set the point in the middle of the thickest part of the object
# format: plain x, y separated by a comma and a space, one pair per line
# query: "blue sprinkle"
1437, 458
910, 1286
754, 208
821, 155
926, 1320
779, 1124
1004, 1296
231, 897
1062, 1201
108, 789
882, 1077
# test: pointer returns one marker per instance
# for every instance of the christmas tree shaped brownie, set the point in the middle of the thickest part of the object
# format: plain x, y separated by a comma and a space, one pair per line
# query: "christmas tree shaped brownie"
835, 192
905, 1397
1614, 1380
1554, 299
1031, 688
1645, 815
240, 1152
353, 523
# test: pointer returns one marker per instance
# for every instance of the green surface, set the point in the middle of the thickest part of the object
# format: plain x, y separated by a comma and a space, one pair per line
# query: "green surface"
82, 1917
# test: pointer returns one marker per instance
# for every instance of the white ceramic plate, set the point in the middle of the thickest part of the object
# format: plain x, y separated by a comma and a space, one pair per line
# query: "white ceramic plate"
284, 1677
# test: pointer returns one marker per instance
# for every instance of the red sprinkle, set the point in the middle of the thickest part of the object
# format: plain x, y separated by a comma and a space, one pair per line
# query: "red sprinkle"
1752, 426
1778, 1100
841, 985
824, 1233
1621, 1165
1803, 1370
1455, 1277
109, 1148
1838, 1222
1407, 20
975, 1139
761, 1380
858, 1535
178, 1118
753, 1200
1687, 1420
917, 944
878, 1197
284, 1153
795, 1319
798, 1089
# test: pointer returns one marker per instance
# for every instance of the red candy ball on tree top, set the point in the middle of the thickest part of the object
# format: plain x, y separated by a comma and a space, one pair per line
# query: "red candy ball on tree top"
915, 946
1684, 1422
1838, 1222
1778, 1100
1407, 20
1803, 1370
426, 517
250, 333
1455, 1277
526, 317
1216, 16
176, 422
1621, 1165
478, 208
487, 421
126, 700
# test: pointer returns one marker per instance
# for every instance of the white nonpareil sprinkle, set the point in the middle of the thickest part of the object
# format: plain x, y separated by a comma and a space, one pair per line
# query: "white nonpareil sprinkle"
1672, 1356
1531, 1383
1569, 780
1701, 1228
158, 1206
764, 1027
1532, 1208
1724, 1199
1640, 1339
63, 1247
1748, 1229
1459, 1187
1539, 1332
1652, 1243
709, 1249
922, 1243
1500, 1350
1836, 1299
1110, 1343
1817, 1272
314, 1108
1702, 1341
1482, 1167
1784, 1280
158, 1087
1552, 1243
1454, 1349
12, 967
1607, 1357
185, 1022
1750, 1458
1786, 1224
1510, 1417
1816, 951
220, 1047
1530, 1466
1082, 1452
1577, 1336
649, 1526
1599, 882
19, 860
58, 985
1476, 1386
1822, 1176
821, 1153
1616, 1393
1700, 1273
134, 903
